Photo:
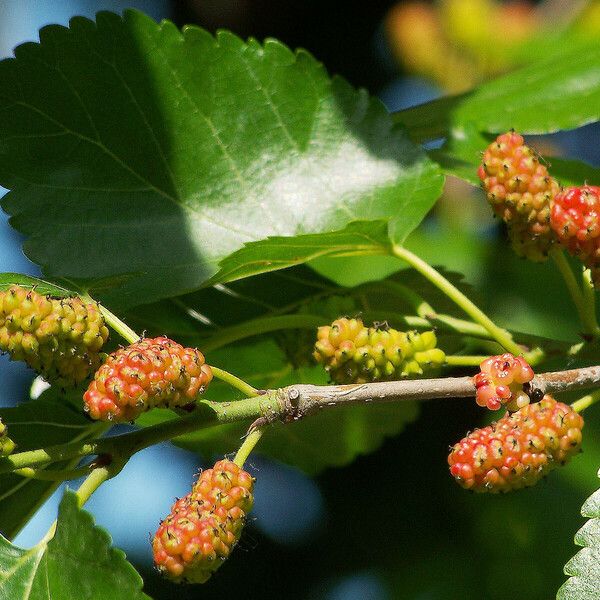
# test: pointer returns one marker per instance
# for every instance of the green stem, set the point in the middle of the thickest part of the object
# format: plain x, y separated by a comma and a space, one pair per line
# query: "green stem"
589, 295
234, 381
254, 327
588, 319
247, 446
435, 321
91, 483
48, 475
586, 401
500, 335
417, 302
119, 326
464, 361
427, 315
206, 414
461, 326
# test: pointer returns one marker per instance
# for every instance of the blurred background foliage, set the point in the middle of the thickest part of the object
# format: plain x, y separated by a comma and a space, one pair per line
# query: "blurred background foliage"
393, 525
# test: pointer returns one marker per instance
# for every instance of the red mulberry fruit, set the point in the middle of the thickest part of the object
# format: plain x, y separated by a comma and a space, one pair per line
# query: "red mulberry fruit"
146, 374
500, 382
575, 218
519, 449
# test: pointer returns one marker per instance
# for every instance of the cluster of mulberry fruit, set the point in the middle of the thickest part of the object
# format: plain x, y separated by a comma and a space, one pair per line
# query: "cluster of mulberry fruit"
146, 374
500, 382
353, 353
60, 338
536, 210
519, 449
204, 526
520, 190
575, 219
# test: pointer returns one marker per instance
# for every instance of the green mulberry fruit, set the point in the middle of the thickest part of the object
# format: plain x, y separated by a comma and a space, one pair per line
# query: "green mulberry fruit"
60, 338
353, 353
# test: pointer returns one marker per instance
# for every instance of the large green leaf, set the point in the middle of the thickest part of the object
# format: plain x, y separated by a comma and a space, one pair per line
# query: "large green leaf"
158, 153
560, 91
33, 425
584, 568
78, 562
332, 438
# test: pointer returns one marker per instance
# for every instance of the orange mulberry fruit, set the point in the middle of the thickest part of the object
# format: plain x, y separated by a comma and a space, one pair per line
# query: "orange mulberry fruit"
204, 526
146, 374
520, 190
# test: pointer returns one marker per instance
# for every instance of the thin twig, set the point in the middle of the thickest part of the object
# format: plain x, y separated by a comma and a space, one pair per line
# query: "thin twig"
285, 405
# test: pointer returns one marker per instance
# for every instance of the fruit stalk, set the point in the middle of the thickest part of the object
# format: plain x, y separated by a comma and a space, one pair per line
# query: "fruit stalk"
500, 335
587, 317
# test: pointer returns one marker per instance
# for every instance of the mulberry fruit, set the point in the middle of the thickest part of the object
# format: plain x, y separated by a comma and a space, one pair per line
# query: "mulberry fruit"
60, 338
298, 343
575, 218
204, 526
353, 353
520, 191
146, 374
7, 446
519, 449
500, 382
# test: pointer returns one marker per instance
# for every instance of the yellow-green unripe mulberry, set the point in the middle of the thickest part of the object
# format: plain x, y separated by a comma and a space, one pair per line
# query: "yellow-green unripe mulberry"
353, 353
60, 338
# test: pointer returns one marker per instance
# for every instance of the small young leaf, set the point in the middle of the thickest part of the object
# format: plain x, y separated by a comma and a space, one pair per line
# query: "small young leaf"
358, 238
78, 562
584, 568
